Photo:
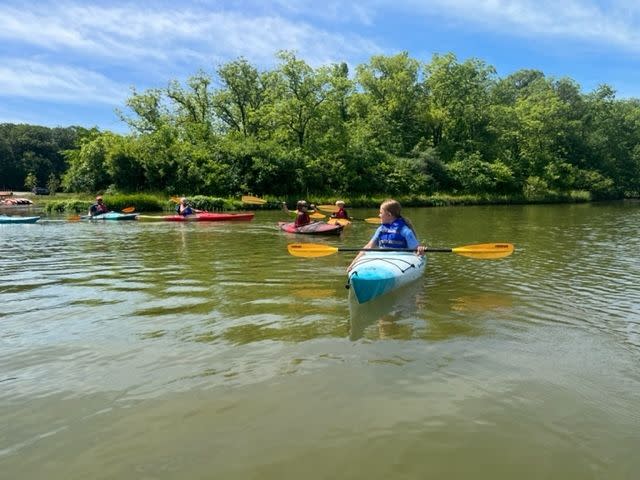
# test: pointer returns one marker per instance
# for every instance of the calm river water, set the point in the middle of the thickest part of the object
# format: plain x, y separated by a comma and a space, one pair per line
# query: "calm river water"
164, 351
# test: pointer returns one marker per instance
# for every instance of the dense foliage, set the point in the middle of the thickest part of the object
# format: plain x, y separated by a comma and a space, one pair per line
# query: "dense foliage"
396, 126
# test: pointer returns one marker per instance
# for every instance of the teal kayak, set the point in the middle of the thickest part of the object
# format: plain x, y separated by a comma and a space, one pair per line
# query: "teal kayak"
376, 273
12, 219
111, 216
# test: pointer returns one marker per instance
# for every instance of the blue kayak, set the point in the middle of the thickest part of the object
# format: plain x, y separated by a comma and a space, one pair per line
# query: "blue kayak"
378, 272
11, 219
111, 216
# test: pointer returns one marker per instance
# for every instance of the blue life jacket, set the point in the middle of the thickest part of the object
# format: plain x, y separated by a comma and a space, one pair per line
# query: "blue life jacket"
391, 234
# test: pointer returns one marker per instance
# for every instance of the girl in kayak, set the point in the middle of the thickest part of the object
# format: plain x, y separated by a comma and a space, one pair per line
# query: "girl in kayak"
302, 213
395, 231
183, 208
98, 208
341, 213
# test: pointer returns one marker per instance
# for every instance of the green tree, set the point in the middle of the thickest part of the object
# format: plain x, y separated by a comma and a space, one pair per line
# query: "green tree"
392, 102
53, 183
30, 181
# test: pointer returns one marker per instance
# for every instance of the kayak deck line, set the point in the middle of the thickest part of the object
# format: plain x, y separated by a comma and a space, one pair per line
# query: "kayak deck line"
377, 273
410, 265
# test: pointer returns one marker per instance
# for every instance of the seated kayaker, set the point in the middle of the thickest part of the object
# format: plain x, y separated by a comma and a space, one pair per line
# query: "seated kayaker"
183, 208
395, 231
98, 208
302, 213
341, 213
302, 217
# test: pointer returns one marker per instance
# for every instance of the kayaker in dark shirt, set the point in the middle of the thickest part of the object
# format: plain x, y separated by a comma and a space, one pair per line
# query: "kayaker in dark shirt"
98, 208
302, 213
395, 231
341, 213
183, 208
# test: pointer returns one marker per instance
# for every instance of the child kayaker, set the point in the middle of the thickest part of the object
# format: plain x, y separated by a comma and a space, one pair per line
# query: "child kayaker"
183, 208
98, 208
302, 213
341, 213
395, 231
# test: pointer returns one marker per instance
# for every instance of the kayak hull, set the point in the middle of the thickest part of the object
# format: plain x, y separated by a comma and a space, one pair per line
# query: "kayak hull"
11, 219
314, 228
111, 216
377, 273
199, 217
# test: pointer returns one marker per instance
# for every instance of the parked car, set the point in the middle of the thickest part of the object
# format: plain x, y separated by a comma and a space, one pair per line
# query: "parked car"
40, 191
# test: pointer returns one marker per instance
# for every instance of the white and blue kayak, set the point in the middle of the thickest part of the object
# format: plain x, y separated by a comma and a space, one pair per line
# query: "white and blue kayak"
15, 219
378, 272
111, 216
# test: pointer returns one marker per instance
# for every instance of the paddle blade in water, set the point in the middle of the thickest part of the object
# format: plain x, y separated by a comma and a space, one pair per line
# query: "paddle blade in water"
253, 200
339, 221
485, 250
310, 250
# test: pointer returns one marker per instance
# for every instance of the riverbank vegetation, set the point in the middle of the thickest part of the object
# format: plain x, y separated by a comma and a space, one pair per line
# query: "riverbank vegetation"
441, 132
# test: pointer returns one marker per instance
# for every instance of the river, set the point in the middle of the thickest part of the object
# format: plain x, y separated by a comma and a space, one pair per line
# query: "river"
158, 351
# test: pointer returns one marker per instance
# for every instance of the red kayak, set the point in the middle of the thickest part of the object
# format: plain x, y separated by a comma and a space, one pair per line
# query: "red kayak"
199, 217
314, 228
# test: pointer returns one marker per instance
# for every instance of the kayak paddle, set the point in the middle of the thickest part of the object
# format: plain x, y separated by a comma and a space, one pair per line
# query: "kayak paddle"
328, 208
253, 200
128, 209
479, 251
315, 216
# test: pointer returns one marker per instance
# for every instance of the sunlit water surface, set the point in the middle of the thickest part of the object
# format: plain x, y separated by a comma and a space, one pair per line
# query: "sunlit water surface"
132, 350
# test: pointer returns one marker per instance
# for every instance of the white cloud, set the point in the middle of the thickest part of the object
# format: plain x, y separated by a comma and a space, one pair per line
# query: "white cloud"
29, 79
579, 20
123, 34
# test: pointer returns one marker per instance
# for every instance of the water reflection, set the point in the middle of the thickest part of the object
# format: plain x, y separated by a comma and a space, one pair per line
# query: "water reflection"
538, 352
393, 316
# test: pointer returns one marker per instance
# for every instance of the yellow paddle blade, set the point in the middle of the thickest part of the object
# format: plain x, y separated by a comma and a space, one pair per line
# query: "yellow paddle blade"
73, 218
479, 251
375, 220
339, 221
175, 199
128, 209
485, 250
253, 200
328, 208
310, 250
315, 216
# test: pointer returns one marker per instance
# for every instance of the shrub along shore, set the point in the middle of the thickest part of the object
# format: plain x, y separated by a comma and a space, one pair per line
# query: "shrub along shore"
149, 202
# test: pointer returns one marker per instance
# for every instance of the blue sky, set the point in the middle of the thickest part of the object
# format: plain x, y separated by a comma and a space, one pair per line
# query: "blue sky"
74, 62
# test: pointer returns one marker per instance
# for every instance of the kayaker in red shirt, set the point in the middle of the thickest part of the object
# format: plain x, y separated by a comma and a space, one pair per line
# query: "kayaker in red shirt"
302, 213
98, 208
341, 213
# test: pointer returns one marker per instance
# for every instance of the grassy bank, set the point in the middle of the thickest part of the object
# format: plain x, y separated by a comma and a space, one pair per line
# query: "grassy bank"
160, 202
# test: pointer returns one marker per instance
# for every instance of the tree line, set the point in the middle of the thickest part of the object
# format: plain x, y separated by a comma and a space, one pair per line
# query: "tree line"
395, 126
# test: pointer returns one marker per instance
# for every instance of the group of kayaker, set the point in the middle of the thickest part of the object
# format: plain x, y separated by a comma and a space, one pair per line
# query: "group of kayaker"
395, 230
183, 208
303, 211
